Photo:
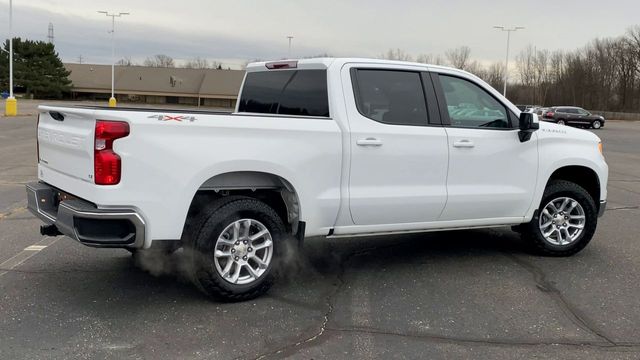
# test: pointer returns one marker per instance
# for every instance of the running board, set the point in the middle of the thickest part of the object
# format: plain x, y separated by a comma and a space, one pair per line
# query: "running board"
402, 232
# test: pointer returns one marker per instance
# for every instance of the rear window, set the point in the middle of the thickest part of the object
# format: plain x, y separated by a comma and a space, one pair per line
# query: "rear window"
391, 97
287, 92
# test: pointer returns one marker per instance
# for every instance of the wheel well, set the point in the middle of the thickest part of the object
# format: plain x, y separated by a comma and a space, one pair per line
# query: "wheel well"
582, 176
268, 188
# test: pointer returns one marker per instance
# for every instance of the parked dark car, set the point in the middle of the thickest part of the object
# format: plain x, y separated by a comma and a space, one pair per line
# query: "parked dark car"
571, 115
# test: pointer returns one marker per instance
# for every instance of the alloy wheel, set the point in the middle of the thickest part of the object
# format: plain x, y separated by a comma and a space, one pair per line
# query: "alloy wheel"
562, 221
243, 251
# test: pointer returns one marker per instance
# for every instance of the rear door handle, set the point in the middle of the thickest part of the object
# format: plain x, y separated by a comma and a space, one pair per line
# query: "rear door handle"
370, 141
463, 144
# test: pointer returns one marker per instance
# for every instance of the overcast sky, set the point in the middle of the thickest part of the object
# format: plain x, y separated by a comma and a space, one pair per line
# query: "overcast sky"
236, 30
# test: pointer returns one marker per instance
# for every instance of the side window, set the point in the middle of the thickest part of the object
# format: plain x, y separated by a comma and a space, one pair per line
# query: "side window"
391, 97
471, 106
583, 112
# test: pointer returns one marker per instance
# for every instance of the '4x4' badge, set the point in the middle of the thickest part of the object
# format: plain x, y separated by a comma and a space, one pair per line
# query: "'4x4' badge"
178, 118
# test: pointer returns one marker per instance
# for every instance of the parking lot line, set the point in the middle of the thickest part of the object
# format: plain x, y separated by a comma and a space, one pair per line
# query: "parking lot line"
25, 254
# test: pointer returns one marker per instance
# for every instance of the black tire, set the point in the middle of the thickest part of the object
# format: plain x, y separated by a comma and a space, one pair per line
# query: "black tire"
560, 188
596, 124
201, 240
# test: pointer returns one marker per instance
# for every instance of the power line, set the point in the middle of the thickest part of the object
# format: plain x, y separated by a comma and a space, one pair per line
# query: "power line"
50, 34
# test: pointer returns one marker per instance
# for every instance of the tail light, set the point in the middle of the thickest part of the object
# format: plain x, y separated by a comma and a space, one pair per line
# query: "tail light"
107, 165
548, 114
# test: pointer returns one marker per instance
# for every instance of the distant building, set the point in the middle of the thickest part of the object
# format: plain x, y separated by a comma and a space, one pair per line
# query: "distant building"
151, 85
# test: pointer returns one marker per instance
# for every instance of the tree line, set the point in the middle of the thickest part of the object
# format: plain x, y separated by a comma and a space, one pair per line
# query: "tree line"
602, 75
166, 61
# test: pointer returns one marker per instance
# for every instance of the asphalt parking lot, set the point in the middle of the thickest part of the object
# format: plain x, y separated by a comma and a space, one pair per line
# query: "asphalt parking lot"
465, 294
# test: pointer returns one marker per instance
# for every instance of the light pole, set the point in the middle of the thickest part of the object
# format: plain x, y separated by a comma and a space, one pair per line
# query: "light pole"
11, 105
290, 38
112, 100
506, 62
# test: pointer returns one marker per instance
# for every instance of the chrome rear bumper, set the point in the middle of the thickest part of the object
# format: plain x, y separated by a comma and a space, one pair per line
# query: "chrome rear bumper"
83, 221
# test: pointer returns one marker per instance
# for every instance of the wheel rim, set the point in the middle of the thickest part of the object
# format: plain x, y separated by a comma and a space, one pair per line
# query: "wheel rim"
560, 122
596, 125
243, 251
562, 221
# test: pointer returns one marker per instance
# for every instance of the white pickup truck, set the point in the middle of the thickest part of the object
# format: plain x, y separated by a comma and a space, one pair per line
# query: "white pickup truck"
316, 147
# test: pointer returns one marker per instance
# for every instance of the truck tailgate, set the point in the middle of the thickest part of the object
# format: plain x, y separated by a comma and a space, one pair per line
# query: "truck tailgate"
65, 141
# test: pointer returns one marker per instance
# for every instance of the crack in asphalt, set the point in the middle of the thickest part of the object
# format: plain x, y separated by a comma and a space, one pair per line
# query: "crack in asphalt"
570, 311
623, 189
623, 208
68, 271
18, 210
495, 341
633, 181
13, 183
329, 304
544, 285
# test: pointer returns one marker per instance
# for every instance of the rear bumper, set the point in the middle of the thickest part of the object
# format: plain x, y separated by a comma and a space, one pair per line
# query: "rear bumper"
84, 222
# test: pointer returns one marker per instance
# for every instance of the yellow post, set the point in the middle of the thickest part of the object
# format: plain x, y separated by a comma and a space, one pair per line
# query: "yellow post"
112, 102
11, 107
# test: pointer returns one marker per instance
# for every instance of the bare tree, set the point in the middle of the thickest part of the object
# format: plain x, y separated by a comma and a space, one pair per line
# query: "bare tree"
125, 61
603, 75
494, 75
198, 63
459, 57
397, 54
160, 60
430, 59
476, 68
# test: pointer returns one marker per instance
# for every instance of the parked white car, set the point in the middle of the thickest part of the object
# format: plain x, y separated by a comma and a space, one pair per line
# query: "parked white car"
315, 147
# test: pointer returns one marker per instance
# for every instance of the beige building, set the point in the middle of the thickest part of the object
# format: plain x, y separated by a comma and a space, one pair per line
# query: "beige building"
141, 84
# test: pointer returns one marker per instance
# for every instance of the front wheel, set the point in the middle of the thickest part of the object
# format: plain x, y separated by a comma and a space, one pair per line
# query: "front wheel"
596, 124
234, 248
565, 222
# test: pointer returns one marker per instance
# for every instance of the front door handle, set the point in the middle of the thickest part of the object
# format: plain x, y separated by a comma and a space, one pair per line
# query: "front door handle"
370, 141
463, 143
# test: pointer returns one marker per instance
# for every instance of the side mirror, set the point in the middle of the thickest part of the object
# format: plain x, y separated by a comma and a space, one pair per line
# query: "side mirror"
528, 124
529, 121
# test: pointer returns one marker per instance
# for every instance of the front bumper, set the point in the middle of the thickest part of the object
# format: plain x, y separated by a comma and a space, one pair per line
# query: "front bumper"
602, 208
83, 221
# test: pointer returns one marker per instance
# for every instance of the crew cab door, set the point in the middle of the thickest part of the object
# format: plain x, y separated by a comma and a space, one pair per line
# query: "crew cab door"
398, 158
491, 173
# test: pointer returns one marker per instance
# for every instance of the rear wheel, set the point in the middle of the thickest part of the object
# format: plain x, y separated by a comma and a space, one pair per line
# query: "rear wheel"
560, 122
565, 222
235, 247
596, 124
